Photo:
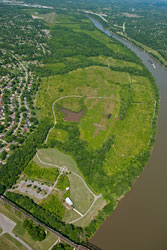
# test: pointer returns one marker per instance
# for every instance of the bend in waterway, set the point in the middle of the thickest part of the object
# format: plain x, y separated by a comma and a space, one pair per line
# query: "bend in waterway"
140, 220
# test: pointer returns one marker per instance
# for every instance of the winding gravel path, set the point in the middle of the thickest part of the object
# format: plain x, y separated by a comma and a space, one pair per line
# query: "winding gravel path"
73, 96
96, 197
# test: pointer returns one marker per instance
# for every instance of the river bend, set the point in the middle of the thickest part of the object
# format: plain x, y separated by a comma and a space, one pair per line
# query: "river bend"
140, 220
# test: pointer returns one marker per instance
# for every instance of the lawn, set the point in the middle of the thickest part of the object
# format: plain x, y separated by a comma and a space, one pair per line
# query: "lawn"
95, 126
79, 194
8, 242
92, 81
83, 222
70, 215
21, 232
53, 156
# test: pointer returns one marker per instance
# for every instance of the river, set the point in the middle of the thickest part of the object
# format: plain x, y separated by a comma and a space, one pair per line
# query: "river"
140, 220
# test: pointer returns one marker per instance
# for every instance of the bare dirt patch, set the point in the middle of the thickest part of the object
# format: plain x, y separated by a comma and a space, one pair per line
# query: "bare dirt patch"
99, 126
71, 116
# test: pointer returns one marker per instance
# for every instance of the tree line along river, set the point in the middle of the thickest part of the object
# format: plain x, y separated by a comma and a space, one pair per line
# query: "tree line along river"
140, 220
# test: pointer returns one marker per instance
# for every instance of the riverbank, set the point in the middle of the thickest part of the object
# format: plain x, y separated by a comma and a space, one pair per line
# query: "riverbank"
108, 233
153, 53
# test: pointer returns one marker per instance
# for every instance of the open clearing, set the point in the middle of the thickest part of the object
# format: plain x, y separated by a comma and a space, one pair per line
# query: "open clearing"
79, 194
83, 222
55, 157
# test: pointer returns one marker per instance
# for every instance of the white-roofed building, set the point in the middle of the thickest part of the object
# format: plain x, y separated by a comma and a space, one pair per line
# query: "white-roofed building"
68, 201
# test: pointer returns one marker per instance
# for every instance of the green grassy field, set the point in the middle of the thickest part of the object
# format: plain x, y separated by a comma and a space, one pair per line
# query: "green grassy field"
21, 232
83, 222
8, 242
58, 134
79, 194
53, 156
70, 215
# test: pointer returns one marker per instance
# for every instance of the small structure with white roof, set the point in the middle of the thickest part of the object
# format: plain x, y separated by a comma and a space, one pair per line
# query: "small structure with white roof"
68, 201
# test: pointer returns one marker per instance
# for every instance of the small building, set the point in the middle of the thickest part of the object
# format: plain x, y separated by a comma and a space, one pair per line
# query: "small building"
68, 201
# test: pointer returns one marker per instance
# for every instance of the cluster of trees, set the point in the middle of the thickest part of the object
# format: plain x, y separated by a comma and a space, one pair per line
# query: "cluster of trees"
54, 205
126, 99
89, 162
63, 182
66, 43
62, 246
63, 66
36, 232
21, 157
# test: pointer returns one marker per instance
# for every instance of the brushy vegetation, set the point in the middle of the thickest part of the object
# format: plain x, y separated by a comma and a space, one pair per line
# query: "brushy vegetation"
62, 246
40, 173
21, 157
63, 182
54, 205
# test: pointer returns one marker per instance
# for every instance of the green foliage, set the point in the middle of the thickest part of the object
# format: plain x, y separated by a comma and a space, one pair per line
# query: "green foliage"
126, 98
21, 157
74, 233
3, 155
63, 182
62, 246
36, 232
89, 163
45, 174
102, 215
54, 205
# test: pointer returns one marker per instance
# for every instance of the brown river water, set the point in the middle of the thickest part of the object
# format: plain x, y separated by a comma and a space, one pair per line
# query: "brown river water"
140, 220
